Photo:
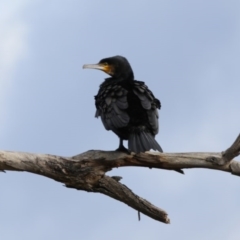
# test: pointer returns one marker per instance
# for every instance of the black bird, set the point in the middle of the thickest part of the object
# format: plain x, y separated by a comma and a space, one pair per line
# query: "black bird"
126, 106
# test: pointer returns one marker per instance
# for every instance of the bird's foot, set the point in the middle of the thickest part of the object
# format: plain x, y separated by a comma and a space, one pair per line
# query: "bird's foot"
123, 149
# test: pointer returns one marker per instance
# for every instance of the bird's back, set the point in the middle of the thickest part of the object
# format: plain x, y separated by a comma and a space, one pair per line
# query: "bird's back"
127, 105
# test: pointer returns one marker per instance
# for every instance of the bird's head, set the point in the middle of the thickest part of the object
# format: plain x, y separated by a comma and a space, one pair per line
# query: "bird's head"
117, 67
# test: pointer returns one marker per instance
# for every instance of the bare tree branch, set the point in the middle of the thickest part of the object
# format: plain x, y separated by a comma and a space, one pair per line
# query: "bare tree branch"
233, 151
86, 171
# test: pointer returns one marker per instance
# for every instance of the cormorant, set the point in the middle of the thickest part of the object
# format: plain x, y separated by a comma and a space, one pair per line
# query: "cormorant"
126, 106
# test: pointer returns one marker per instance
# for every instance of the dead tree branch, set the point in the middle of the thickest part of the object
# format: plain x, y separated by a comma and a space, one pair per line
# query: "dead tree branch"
86, 171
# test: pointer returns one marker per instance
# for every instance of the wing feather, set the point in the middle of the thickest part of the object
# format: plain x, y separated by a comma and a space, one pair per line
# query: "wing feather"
148, 102
111, 103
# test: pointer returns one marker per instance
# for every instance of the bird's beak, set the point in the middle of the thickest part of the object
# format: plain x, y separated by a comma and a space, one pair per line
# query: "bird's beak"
104, 67
95, 66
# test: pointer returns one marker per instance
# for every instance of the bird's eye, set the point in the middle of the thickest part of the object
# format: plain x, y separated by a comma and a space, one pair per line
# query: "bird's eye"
105, 64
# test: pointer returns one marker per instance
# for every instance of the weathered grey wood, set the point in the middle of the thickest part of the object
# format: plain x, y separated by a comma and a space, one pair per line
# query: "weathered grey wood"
85, 174
233, 151
86, 171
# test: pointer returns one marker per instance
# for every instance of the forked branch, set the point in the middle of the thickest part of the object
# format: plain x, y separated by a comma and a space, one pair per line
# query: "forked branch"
86, 171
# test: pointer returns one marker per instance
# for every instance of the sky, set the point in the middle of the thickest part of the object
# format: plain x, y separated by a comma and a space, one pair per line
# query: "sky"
187, 52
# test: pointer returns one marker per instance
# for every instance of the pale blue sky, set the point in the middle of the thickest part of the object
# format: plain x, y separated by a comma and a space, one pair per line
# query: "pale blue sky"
187, 52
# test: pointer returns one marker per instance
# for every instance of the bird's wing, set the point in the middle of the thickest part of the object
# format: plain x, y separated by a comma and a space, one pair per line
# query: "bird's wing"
148, 102
111, 103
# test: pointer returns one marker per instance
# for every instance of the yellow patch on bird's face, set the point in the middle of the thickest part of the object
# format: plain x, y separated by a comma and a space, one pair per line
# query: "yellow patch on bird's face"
107, 68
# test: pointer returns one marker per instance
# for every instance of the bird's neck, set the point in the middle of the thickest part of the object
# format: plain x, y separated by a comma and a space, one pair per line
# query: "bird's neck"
118, 80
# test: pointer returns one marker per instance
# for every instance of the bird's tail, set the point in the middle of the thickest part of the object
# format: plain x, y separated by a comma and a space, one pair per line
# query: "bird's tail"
142, 141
